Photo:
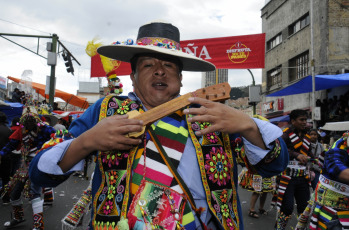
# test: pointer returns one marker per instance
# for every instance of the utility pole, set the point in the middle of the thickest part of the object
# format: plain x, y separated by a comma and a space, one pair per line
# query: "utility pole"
53, 71
54, 49
253, 84
312, 63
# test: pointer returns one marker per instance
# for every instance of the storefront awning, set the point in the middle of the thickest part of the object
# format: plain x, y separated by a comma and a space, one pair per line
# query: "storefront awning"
305, 84
281, 118
67, 97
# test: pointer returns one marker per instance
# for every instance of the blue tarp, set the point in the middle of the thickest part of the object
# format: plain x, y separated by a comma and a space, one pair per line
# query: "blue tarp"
282, 118
321, 82
12, 111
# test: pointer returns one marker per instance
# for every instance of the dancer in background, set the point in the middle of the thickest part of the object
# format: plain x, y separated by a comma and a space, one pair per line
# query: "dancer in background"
32, 135
329, 205
294, 181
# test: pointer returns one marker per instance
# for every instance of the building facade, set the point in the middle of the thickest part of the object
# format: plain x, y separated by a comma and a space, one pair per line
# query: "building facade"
90, 90
289, 48
213, 77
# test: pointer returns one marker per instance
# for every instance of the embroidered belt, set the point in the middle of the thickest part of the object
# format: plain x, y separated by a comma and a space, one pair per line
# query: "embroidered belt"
295, 164
334, 185
295, 172
332, 194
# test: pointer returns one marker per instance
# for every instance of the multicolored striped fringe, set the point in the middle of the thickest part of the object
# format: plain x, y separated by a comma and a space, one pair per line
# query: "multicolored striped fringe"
281, 220
304, 217
321, 215
48, 196
74, 217
173, 136
343, 217
284, 180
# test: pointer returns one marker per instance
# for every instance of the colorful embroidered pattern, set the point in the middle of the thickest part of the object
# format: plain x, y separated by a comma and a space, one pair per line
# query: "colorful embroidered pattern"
246, 181
217, 166
152, 206
111, 200
73, 218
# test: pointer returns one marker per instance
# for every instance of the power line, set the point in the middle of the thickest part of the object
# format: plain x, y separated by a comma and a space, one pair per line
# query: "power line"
40, 31
24, 26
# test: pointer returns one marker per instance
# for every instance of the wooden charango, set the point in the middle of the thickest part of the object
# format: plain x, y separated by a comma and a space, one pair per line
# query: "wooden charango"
219, 92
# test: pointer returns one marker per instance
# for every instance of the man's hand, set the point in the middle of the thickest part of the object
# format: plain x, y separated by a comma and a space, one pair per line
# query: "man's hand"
110, 134
302, 159
224, 119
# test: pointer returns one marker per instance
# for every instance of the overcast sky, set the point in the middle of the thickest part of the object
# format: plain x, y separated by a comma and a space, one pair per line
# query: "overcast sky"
77, 22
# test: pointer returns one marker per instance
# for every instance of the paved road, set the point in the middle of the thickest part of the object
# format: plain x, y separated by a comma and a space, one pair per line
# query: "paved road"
70, 191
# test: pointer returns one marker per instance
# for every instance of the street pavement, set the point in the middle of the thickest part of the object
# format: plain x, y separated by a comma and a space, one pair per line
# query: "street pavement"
70, 191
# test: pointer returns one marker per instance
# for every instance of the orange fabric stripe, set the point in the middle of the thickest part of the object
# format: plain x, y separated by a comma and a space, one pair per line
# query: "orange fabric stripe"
298, 145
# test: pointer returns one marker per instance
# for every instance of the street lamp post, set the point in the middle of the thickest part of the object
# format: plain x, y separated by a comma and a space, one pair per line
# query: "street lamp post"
253, 83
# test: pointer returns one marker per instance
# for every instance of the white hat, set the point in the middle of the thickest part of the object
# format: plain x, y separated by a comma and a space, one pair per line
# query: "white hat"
156, 38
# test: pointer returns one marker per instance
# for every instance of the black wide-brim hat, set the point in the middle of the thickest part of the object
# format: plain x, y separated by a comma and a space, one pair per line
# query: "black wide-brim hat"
156, 38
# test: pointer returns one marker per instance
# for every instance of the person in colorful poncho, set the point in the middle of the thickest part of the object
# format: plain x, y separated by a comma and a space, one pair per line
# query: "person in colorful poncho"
30, 137
294, 181
182, 173
328, 207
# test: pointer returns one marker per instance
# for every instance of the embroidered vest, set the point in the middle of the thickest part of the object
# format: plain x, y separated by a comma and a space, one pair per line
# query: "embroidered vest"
111, 202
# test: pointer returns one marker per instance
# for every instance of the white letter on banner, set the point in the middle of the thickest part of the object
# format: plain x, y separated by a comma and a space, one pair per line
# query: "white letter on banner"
204, 52
188, 51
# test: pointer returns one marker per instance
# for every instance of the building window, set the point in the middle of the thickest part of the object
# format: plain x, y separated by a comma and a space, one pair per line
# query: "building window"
299, 66
274, 76
274, 41
299, 24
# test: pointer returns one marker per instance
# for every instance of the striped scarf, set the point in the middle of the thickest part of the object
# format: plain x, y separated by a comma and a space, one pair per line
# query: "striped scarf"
172, 134
343, 217
321, 215
301, 145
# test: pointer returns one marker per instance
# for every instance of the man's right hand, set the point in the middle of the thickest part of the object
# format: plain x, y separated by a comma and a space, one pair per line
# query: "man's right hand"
110, 134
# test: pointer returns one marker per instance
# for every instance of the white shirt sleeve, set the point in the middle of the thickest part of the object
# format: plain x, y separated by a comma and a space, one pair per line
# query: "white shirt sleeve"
48, 162
270, 133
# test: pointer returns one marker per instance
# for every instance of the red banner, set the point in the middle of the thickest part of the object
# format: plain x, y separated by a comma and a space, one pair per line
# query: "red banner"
236, 52
98, 71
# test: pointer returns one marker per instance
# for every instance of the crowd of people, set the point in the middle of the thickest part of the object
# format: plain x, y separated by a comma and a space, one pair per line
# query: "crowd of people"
19, 143
181, 171
334, 109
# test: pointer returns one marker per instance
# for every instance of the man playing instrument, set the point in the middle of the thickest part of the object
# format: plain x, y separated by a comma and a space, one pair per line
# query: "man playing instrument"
182, 173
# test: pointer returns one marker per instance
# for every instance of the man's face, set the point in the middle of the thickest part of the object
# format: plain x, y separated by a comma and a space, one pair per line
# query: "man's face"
156, 81
300, 122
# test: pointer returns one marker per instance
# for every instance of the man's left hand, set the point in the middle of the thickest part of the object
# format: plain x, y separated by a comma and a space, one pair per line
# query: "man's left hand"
224, 119
221, 117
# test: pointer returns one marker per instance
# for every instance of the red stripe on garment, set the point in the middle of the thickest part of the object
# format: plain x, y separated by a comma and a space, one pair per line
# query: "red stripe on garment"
169, 143
154, 175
